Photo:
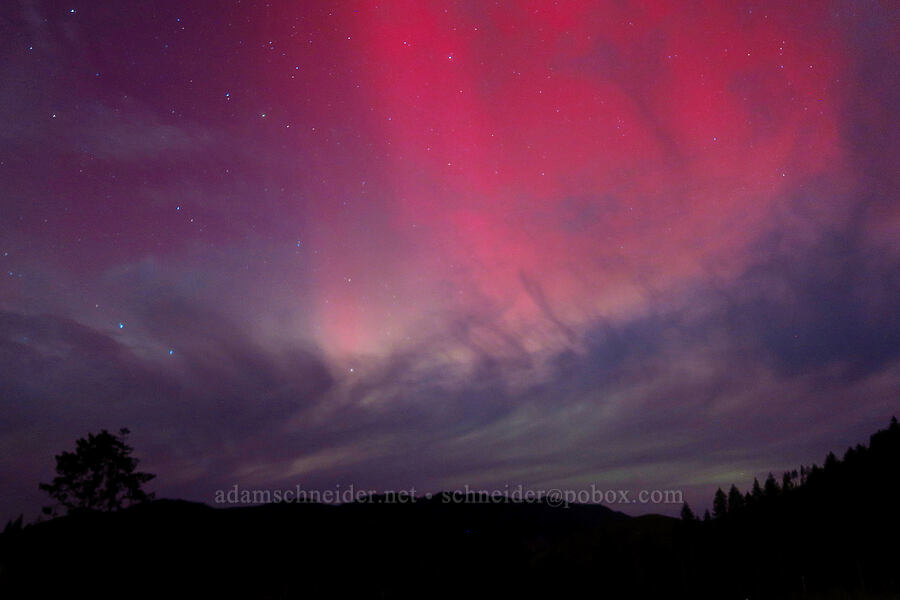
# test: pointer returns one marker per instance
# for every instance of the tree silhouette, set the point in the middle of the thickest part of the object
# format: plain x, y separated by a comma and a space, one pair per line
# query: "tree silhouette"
720, 504
787, 481
840, 513
99, 475
756, 493
771, 489
13, 527
735, 500
687, 514
831, 462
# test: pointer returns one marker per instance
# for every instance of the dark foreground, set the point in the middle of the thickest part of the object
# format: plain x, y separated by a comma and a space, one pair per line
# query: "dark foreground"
836, 535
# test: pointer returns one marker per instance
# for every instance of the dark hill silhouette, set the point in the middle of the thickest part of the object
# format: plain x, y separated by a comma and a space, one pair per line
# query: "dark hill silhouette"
830, 532
295, 550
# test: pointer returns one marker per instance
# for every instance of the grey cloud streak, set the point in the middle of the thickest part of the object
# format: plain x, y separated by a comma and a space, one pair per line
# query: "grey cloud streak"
713, 385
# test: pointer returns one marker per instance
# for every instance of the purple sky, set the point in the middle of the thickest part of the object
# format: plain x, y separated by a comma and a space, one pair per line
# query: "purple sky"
634, 245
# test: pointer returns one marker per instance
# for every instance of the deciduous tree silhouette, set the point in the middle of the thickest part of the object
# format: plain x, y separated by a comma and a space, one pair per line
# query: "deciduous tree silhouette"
99, 475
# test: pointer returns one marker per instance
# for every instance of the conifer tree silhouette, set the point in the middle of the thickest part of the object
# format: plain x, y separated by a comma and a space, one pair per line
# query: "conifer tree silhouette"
756, 493
720, 504
735, 500
771, 489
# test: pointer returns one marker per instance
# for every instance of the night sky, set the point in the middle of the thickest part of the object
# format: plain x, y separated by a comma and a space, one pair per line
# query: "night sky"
430, 244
